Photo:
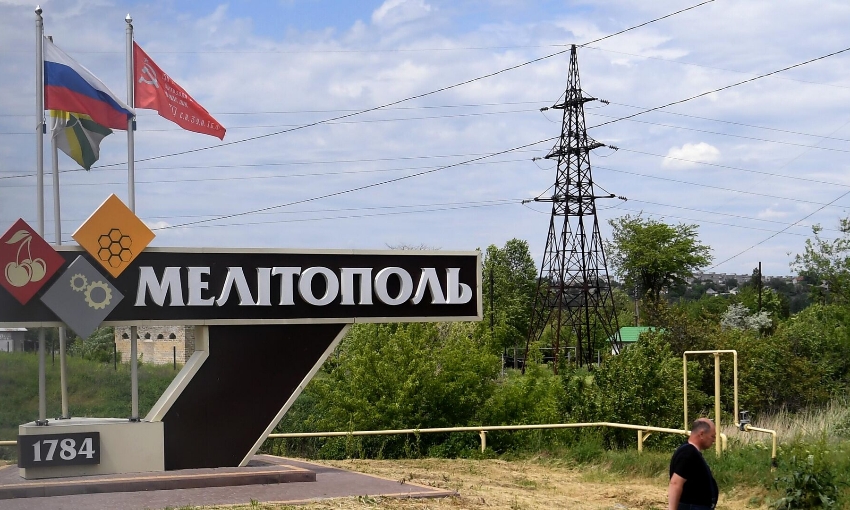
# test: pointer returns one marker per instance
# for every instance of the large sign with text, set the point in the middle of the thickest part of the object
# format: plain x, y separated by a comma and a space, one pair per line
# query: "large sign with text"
220, 286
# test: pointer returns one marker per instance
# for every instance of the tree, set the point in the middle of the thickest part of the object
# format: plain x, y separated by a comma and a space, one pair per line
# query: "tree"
514, 278
654, 255
827, 262
737, 316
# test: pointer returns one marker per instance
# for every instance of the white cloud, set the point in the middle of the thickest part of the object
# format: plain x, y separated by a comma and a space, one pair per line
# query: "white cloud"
771, 213
153, 225
260, 72
394, 12
690, 154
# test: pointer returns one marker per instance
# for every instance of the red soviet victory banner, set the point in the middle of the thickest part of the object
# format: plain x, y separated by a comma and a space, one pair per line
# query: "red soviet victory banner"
155, 90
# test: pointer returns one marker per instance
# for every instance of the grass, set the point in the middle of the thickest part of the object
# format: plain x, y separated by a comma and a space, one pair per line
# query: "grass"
94, 390
614, 481
831, 422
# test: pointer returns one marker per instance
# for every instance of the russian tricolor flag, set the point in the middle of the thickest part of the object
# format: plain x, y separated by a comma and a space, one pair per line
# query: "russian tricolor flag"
71, 87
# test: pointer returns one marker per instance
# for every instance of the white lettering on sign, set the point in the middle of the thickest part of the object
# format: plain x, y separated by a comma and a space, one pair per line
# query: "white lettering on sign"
404, 291
170, 284
454, 297
340, 287
305, 286
365, 274
235, 276
286, 275
430, 280
197, 285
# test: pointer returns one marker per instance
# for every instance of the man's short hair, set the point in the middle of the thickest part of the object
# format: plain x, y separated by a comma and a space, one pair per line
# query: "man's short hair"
701, 425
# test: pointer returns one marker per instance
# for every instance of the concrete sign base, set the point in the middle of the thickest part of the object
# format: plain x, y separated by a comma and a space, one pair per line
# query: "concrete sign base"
122, 447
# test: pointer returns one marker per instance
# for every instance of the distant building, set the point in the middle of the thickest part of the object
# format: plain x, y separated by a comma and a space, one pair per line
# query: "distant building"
629, 335
12, 339
158, 345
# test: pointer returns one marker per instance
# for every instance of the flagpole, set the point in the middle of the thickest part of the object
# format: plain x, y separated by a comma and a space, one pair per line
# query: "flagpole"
57, 220
39, 166
131, 192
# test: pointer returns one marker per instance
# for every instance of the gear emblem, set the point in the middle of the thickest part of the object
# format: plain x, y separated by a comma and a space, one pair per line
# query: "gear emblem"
79, 282
107, 295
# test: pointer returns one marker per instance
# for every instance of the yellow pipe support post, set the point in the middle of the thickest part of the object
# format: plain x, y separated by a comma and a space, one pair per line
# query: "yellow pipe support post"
640, 441
719, 446
717, 399
685, 388
483, 435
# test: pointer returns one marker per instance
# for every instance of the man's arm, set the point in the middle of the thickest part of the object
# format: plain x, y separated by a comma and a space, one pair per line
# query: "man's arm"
674, 491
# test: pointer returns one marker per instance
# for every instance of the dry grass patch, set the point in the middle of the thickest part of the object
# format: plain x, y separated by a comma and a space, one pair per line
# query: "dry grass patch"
831, 422
510, 485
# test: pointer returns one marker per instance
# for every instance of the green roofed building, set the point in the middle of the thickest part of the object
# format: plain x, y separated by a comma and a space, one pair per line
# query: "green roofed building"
630, 334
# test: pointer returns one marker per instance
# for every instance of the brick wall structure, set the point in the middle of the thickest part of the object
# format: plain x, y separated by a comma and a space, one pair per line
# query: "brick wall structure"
157, 344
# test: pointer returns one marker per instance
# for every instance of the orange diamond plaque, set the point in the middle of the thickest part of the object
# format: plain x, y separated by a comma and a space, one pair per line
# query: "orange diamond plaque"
114, 235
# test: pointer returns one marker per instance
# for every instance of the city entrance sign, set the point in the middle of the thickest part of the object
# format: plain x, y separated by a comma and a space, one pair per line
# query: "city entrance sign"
265, 320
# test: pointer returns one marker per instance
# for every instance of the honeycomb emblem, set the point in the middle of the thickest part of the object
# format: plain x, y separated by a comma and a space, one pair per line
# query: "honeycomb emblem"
115, 248
114, 236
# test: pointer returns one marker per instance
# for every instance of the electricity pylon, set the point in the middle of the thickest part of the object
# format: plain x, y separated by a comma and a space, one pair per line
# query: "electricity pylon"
574, 291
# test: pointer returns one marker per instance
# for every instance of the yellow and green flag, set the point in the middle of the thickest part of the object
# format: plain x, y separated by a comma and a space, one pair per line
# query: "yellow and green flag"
78, 136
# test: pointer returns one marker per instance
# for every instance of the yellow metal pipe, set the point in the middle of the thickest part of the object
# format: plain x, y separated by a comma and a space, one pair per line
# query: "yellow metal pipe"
8, 443
478, 429
750, 428
640, 441
483, 435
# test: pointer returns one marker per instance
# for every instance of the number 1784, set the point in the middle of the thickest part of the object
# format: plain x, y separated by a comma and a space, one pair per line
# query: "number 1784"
67, 449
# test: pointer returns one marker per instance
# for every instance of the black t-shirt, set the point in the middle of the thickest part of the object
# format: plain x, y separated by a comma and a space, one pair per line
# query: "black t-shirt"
700, 487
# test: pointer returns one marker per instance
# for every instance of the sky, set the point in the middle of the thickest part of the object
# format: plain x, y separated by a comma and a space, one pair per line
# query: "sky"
754, 165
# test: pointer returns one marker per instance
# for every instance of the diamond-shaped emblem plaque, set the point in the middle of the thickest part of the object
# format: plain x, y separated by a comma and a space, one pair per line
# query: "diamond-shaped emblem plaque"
114, 236
82, 297
27, 261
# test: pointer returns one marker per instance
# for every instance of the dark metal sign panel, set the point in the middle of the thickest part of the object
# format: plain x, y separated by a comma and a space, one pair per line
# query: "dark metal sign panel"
58, 449
217, 286
249, 375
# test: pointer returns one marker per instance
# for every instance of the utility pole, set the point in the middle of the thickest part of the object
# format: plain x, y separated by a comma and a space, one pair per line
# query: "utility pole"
760, 286
574, 290
637, 307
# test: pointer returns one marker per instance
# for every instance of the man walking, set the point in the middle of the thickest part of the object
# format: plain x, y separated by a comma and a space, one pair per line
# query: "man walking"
692, 487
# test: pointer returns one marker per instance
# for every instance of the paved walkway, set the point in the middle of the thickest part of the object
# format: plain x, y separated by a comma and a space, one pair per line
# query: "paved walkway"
330, 483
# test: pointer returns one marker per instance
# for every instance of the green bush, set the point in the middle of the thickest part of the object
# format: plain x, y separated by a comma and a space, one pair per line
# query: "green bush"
808, 483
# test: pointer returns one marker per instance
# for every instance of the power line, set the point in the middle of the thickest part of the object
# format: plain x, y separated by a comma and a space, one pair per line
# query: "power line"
782, 231
255, 177
745, 137
711, 222
417, 96
329, 110
680, 62
434, 206
358, 188
274, 164
737, 123
363, 121
726, 87
731, 215
714, 187
729, 167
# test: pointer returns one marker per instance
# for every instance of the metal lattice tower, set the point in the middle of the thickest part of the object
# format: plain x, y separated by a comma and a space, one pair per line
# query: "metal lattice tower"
574, 291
